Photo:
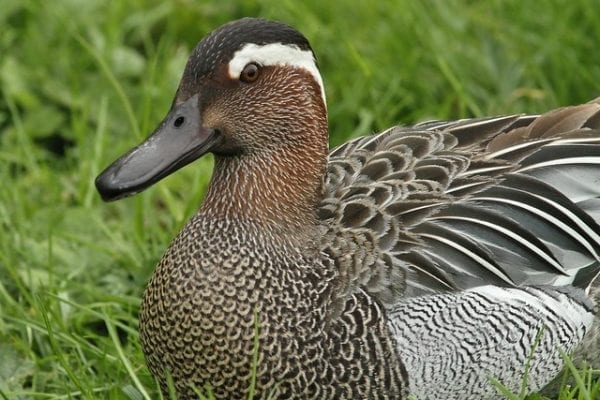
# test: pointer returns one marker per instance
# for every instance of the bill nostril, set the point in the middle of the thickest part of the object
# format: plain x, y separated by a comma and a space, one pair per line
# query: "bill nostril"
178, 122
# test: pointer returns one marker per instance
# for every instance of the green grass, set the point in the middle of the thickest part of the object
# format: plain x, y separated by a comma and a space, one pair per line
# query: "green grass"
81, 81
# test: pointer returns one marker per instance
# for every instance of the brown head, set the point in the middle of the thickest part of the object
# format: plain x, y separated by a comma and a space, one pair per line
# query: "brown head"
251, 94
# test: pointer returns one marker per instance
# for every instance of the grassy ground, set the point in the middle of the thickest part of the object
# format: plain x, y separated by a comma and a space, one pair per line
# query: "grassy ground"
81, 81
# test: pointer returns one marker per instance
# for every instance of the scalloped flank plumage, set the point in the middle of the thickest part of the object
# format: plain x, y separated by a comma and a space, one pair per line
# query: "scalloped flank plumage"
424, 259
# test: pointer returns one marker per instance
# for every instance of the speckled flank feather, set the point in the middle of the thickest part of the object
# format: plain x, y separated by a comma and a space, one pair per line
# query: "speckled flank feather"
422, 259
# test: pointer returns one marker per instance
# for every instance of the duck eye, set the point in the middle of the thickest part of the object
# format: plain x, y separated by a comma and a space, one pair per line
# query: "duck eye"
249, 73
178, 122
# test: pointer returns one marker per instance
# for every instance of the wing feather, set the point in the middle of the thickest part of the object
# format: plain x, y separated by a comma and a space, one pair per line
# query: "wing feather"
444, 206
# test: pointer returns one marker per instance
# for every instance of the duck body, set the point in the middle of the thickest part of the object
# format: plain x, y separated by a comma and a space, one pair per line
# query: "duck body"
421, 260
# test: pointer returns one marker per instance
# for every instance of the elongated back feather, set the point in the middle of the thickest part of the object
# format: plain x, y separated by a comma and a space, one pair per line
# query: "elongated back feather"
440, 206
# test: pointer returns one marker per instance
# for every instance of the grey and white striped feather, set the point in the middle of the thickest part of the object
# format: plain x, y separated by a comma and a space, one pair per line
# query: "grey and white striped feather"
455, 345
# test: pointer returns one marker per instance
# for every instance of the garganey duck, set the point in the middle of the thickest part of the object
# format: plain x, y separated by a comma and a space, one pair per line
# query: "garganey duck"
423, 259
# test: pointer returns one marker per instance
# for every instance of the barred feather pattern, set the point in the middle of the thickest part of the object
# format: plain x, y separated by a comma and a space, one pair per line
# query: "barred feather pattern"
467, 340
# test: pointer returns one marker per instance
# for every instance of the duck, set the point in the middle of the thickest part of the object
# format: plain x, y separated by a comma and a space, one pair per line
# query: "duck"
424, 260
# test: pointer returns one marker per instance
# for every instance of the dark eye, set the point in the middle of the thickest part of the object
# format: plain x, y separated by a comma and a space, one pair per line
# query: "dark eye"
249, 73
178, 122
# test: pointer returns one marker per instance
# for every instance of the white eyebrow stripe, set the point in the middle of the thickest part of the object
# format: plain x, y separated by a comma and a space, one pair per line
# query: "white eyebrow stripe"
275, 54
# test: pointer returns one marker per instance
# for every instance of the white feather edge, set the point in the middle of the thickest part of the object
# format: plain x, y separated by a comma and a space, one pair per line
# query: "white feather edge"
275, 54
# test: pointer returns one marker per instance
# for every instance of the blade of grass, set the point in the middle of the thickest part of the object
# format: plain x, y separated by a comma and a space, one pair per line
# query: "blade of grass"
115, 339
114, 82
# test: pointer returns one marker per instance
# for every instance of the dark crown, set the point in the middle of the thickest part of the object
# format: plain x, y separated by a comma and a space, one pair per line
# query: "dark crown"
220, 45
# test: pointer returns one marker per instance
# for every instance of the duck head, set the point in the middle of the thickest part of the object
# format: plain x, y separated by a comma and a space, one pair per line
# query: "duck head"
250, 90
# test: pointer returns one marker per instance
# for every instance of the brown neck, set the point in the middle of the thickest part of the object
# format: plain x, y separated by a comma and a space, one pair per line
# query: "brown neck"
280, 187
277, 179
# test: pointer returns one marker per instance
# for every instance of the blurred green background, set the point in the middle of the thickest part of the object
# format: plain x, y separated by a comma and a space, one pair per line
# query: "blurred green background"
82, 81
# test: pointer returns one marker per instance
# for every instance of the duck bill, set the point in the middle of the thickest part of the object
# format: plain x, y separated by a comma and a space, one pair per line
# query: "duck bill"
178, 140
